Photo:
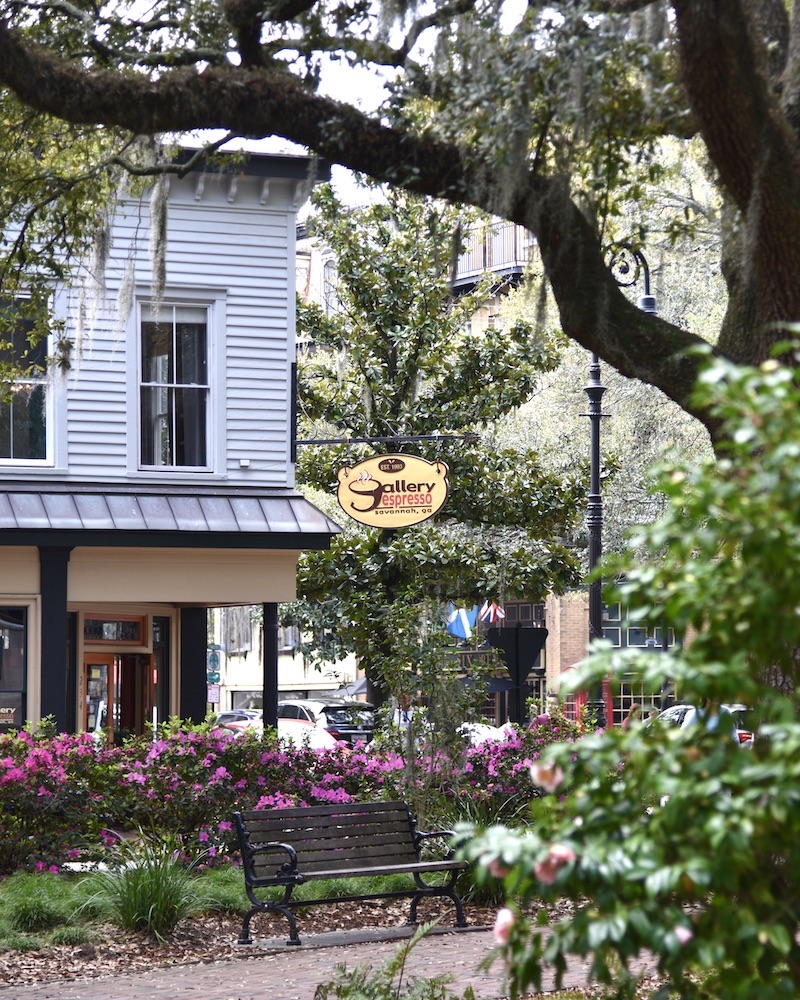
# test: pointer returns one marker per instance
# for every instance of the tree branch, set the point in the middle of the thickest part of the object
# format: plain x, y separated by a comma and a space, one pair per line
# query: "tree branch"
256, 102
724, 67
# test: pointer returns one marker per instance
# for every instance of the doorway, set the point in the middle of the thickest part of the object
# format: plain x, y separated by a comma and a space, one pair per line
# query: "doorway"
119, 693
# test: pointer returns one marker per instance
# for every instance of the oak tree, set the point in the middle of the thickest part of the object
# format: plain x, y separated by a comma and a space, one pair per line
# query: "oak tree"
548, 118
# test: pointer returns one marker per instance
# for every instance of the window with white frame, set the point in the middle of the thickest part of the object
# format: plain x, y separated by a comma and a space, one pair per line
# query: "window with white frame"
23, 398
174, 386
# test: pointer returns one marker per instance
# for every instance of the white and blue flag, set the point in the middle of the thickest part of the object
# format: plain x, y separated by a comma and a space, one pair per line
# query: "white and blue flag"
461, 622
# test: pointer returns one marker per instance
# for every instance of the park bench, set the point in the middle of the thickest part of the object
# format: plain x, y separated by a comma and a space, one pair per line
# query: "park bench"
282, 848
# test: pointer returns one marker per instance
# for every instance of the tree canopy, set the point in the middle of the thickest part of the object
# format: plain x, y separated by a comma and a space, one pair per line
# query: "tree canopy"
550, 118
395, 362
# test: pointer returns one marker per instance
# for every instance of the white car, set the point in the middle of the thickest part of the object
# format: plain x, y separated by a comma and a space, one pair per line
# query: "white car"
676, 715
301, 733
345, 719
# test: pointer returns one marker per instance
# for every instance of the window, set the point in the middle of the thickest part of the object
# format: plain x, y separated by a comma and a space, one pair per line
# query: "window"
23, 415
122, 629
13, 667
174, 387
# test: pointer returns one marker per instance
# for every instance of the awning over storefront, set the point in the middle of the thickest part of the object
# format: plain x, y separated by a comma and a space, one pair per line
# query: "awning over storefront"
156, 516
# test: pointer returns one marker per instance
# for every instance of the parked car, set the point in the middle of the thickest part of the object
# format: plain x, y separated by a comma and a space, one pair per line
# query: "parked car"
239, 715
239, 721
345, 719
676, 714
300, 733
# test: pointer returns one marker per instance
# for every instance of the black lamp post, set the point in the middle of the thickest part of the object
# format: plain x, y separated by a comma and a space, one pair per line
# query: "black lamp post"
626, 264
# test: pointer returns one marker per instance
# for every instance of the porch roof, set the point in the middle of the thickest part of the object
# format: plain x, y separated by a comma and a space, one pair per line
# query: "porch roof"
70, 514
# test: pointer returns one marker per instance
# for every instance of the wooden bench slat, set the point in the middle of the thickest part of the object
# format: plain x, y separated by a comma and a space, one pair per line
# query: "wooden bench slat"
408, 869
300, 824
334, 834
320, 808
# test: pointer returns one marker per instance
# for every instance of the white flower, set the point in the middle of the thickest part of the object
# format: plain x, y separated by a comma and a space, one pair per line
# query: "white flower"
547, 776
503, 924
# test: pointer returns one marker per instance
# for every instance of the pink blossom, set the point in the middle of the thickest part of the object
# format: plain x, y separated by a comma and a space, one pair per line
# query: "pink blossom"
547, 776
202, 836
224, 826
683, 934
558, 856
498, 869
503, 925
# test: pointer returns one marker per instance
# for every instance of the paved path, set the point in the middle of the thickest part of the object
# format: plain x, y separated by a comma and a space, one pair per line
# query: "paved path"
271, 971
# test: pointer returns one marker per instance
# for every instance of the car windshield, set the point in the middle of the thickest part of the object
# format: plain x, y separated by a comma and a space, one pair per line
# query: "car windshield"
346, 716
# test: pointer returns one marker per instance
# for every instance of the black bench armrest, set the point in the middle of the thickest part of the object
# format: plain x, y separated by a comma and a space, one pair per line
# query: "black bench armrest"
288, 870
424, 835
420, 835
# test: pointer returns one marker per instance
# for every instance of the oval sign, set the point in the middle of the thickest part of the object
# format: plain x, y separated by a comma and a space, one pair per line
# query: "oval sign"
392, 491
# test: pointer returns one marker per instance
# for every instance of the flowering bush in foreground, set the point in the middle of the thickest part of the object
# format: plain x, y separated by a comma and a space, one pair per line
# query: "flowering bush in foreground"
676, 843
58, 795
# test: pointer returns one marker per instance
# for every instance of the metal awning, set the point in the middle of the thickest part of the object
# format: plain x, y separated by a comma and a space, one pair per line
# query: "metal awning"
160, 516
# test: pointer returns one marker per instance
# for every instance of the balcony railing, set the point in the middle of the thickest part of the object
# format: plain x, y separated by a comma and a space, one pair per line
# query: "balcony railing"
502, 249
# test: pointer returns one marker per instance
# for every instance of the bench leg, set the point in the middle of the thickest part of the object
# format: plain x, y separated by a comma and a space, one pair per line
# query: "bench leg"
451, 894
244, 936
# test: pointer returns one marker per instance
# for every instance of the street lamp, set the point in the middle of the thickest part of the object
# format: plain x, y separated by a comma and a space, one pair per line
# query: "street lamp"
627, 264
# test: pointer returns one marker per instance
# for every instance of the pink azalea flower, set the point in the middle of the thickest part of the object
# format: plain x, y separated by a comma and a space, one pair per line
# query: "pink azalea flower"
558, 856
547, 776
503, 925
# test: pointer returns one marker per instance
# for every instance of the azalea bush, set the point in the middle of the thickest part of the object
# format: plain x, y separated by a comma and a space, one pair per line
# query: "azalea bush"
65, 798
679, 842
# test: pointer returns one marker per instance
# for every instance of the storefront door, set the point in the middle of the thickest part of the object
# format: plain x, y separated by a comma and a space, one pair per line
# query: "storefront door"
118, 693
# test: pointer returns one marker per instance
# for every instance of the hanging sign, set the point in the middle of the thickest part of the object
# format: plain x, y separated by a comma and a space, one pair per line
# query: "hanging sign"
392, 491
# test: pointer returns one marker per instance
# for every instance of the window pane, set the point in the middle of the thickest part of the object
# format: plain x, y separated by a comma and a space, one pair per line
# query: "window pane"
12, 648
23, 416
174, 393
22, 423
157, 361
190, 346
190, 426
156, 426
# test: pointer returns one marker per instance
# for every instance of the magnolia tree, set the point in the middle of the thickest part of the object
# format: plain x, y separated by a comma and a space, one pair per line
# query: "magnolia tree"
679, 842
395, 363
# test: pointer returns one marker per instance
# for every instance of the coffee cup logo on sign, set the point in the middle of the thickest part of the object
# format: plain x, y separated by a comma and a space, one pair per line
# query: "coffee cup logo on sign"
392, 491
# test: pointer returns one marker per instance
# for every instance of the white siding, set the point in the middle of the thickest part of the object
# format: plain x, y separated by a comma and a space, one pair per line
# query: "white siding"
230, 249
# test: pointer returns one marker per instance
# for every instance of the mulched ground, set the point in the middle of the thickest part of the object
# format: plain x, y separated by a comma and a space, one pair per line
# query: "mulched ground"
213, 938
198, 939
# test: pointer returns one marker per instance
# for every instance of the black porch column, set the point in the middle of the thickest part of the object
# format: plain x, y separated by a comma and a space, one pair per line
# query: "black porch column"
270, 692
193, 683
54, 670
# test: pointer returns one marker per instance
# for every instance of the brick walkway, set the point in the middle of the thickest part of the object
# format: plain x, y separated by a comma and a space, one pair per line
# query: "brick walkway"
271, 971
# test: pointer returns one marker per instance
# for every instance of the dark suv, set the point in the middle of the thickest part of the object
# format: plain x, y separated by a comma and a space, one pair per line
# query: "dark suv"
345, 719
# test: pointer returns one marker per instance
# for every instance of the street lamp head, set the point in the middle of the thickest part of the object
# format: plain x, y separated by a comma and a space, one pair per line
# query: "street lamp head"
647, 303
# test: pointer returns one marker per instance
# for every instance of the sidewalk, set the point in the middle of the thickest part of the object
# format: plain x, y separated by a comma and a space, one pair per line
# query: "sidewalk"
269, 970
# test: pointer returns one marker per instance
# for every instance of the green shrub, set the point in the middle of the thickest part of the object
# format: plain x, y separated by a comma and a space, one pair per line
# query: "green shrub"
148, 889
36, 902
680, 843
75, 935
